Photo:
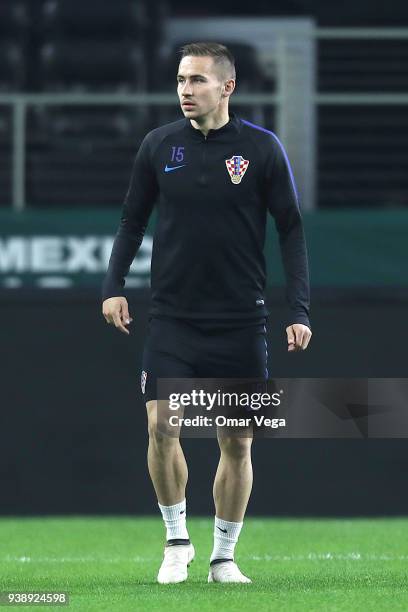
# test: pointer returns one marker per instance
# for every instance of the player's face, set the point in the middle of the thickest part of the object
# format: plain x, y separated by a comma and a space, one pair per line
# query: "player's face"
199, 86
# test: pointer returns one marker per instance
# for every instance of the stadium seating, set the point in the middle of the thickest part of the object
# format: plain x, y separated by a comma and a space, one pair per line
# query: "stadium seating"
83, 154
86, 174
12, 67
13, 20
5, 155
13, 46
362, 148
92, 65
61, 46
97, 20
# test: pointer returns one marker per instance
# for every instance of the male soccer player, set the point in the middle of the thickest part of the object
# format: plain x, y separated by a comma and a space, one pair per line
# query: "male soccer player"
213, 177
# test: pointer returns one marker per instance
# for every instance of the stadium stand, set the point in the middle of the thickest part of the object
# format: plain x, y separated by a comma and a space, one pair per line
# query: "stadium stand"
51, 46
104, 21
362, 148
98, 49
13, 47
12, 67
13, 21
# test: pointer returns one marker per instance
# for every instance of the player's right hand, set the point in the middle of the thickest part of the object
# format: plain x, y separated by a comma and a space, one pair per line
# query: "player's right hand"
116, 312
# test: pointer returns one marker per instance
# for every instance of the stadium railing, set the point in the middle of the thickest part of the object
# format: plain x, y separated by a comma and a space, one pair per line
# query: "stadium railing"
387, 100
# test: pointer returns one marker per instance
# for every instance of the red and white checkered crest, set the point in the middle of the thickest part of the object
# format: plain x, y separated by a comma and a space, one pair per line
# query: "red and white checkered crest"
236, 167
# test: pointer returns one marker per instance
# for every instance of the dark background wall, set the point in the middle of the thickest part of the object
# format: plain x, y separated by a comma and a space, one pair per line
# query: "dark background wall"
348, 12
73, 424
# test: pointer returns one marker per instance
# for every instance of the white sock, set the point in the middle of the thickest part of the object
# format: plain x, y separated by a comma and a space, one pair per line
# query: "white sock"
175, 520
226, 536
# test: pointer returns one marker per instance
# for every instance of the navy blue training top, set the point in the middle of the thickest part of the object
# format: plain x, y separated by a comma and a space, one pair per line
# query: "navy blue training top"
212, 195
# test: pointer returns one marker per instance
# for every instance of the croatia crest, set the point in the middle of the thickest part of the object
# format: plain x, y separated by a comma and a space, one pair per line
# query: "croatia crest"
236, 167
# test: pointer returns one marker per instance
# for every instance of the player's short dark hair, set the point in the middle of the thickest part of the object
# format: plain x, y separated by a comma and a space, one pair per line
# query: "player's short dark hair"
221, 55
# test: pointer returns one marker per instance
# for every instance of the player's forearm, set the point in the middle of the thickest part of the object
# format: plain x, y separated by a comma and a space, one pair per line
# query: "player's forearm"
295, 263
125, 247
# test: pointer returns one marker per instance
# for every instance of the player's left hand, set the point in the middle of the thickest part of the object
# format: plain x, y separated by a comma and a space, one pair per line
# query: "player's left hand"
298, 337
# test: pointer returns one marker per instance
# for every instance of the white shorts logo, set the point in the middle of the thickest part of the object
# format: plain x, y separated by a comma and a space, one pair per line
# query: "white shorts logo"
143, 379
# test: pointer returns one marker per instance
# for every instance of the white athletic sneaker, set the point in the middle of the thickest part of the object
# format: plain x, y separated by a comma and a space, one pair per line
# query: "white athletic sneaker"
227, 571
175, 563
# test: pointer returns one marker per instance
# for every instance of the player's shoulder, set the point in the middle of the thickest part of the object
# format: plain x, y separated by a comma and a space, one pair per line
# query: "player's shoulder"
259, 134
158, 134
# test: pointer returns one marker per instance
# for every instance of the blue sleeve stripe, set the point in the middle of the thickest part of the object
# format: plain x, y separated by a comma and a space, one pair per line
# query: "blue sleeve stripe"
292, 178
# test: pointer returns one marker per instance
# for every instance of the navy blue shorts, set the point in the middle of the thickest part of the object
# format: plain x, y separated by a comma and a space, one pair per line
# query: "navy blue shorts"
179, 348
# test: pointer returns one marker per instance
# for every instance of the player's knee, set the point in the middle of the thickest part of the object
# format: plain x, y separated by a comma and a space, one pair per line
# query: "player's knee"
161, 434
236, 448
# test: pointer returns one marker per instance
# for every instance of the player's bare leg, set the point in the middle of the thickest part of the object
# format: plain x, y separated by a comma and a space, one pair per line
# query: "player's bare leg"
165, 458
168, 471
233, 480
232, 489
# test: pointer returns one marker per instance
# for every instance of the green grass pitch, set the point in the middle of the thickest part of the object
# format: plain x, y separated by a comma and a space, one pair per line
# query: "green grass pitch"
295, 564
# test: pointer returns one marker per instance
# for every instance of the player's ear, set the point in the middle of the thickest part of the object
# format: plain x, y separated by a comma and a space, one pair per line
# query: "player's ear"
228, 88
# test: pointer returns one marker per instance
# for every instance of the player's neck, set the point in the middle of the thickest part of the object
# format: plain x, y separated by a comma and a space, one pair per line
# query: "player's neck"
213, 122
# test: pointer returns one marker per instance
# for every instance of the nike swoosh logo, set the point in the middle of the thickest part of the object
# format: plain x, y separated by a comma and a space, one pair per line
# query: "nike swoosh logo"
171, 168
181, 511
223, 530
